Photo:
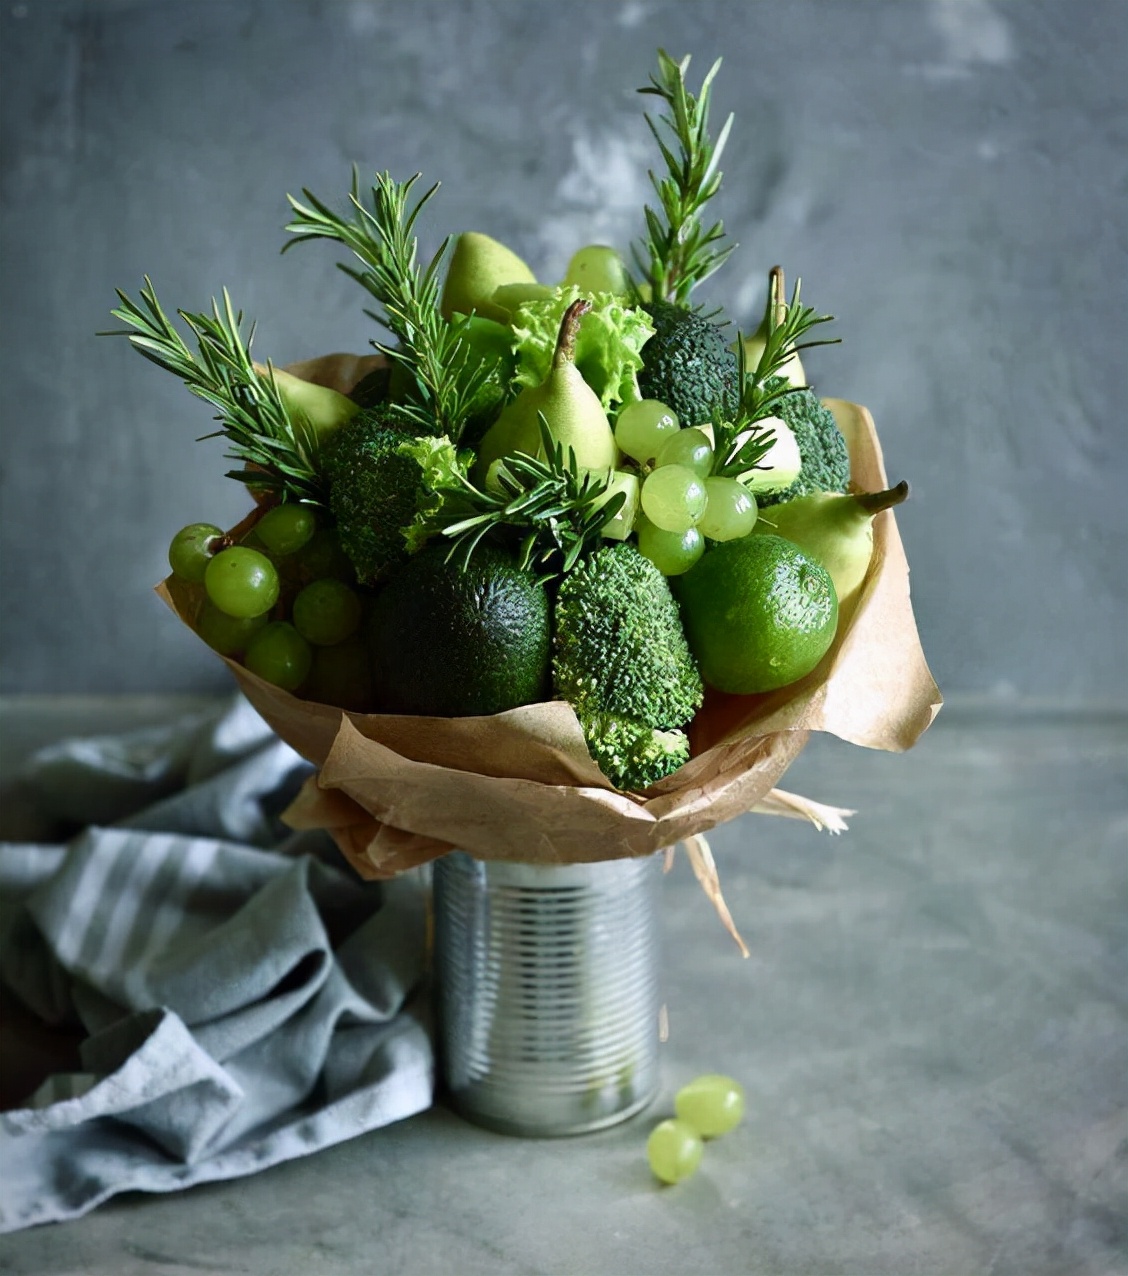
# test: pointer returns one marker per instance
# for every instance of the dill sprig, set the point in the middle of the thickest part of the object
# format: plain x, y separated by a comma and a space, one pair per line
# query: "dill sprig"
434, 352
679, 251
560, 508
280, 454
739, 442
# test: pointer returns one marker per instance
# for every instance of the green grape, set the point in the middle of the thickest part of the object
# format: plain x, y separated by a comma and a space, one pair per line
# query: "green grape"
711, 1105
671, 552
597, 268
323, 556
690, 447
730, 512
643, 427
673, 1150
341, 676
673, 497
279, 654
326, 612
286, 528
242, 582
190, 551
229, 635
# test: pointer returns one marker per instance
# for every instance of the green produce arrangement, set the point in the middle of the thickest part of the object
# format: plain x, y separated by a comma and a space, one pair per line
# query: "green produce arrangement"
589, 490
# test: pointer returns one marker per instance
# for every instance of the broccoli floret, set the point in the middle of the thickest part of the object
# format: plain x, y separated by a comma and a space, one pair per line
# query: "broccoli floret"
687, 364
825, 463
629, 753
374, 491
620, 650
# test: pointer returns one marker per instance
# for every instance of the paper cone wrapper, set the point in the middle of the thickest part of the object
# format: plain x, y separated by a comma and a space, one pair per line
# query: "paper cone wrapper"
396, 791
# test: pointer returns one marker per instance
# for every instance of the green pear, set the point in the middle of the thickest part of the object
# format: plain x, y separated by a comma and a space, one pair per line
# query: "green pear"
620, 525
478, 265
598, 268
487, 338
313, 408
773, 316
778, 468
508, 297
571, 409
835, 528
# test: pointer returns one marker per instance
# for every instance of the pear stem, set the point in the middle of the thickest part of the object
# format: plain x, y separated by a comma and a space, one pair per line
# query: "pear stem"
875, 502
569, 329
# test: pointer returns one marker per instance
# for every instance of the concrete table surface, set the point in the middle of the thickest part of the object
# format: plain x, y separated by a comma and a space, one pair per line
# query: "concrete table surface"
931, 1031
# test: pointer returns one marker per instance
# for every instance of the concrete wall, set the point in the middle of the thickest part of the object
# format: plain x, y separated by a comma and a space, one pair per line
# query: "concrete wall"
948, 176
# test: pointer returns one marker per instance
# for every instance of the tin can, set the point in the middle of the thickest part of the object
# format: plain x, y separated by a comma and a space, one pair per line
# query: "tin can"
548, 990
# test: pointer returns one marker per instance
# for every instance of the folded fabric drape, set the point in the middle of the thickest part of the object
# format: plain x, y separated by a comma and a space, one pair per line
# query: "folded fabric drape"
242, 997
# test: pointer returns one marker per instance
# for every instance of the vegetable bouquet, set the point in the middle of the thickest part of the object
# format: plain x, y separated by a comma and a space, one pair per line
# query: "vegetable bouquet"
563, 570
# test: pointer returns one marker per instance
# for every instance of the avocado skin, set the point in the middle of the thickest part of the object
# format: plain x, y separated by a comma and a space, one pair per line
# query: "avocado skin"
451, 643
687, 364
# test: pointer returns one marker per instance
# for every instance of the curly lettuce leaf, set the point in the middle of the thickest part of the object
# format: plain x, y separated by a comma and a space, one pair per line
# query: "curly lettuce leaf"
608, 346
446, 472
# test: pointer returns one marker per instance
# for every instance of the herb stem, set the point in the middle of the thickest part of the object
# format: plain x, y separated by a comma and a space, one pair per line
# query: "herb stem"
679, 252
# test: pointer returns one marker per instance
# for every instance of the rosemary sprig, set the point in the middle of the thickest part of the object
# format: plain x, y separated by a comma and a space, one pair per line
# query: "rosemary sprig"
679, 252
763, 387
558, 509
433, 352
280, 454
739, 443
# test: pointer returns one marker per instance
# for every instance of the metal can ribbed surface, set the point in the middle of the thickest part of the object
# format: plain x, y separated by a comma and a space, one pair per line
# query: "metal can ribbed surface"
548, 991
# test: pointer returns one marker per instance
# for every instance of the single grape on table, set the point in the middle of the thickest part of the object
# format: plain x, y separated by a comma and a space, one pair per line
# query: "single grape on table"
711, 1104
673, 1150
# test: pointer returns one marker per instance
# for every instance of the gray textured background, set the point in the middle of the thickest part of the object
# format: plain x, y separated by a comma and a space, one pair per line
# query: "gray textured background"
948, 176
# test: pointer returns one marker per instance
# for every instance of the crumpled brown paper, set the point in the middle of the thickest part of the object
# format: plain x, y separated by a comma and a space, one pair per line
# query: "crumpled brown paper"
397, 791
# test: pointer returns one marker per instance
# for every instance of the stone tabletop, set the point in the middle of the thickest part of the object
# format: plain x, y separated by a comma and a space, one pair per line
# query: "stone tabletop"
931, 1030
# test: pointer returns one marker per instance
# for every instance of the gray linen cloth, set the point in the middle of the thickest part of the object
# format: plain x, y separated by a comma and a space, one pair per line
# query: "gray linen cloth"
243, 997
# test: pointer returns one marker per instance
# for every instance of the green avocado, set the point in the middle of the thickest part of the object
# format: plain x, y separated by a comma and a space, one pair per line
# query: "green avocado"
452, 642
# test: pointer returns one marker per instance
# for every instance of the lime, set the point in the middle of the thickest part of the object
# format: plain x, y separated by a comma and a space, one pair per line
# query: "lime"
758, 613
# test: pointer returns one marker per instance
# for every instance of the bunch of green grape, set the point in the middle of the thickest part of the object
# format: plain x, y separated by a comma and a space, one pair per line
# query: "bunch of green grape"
283, 600
683, 503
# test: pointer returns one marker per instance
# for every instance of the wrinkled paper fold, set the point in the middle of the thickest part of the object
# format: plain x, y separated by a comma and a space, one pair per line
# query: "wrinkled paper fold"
396, 791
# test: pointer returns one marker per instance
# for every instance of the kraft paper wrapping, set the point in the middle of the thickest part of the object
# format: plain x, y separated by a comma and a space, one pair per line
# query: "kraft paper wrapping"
397, 791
